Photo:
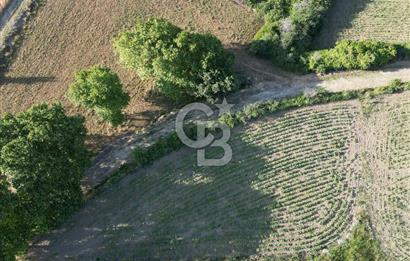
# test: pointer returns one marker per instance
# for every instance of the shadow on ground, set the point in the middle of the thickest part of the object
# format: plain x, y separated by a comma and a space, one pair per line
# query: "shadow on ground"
28, 80
170, 211
339, 17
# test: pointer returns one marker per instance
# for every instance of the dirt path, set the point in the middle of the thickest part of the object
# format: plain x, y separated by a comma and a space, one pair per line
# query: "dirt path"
269, 84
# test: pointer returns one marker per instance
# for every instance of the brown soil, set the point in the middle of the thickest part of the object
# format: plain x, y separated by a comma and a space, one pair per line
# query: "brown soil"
66, 36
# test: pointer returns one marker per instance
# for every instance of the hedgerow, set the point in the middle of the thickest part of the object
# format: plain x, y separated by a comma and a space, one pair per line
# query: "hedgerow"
348, 55
42, 160
259, 109
184, 65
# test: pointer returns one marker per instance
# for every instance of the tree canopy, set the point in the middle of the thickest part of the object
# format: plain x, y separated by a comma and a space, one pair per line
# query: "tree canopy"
100, 89
42, 160
183, 64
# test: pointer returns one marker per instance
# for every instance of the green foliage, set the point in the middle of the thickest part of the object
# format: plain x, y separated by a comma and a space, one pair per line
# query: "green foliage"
360, 247
140, 48
160, 148
14, 223
163, 146
184, 65
288, 30
100, 89
350, 54
42, 158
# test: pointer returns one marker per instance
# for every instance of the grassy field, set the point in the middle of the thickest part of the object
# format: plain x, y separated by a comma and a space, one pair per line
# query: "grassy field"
289, 189
66, 36
384, 20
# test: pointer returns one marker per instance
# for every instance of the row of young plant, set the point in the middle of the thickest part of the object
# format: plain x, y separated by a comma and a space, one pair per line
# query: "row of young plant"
144, 156
360, 246
287, 34
304, 182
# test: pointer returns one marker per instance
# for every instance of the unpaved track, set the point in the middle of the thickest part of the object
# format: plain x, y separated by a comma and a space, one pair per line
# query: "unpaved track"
269, 84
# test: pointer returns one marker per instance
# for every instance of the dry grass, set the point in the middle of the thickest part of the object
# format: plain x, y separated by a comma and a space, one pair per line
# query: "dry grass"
66, 36
384, 20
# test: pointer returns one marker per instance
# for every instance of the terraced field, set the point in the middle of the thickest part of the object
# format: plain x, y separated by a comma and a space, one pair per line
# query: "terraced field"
389, 170
384, 20
289, 189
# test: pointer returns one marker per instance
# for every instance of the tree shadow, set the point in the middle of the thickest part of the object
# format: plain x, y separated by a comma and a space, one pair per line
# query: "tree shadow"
26, 80
170, 211
338, 18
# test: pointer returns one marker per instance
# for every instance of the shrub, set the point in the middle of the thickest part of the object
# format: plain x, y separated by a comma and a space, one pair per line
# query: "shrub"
360, 247
100, 89
288, 30
350, 54
184, 65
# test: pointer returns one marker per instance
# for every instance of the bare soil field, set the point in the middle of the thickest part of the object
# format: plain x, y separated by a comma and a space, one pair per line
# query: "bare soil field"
384, 20
66, 36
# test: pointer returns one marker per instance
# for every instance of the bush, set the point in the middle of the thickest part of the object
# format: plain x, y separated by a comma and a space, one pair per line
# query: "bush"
42, 160
348, 55
100, 89
288, 30
360, 247
184, 65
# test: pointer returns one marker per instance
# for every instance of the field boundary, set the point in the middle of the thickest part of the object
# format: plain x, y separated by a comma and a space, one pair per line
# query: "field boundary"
11, 31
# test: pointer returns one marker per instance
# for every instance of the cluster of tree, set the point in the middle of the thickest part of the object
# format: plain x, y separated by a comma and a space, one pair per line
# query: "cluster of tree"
348, 55
184, 65
42, 160
288, 30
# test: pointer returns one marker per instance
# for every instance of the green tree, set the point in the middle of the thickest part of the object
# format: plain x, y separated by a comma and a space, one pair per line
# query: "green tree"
140, 48
184, 65
14, 225
100, 89
43, 156
198, 67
